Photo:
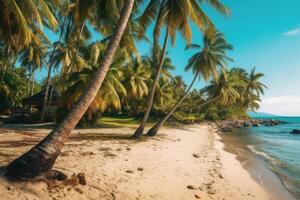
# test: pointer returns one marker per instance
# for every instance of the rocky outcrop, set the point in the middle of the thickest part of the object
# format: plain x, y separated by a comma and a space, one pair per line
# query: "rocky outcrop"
228, 125
295, 131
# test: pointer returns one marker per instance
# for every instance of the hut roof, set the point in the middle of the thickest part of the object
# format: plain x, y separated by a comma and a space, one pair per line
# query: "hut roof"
37, 99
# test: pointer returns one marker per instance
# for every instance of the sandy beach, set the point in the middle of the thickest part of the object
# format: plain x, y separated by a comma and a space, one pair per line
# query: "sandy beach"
181, 163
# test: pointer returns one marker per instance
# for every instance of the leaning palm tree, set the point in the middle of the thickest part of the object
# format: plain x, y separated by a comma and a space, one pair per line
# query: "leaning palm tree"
176, 16
41, 158
204, 64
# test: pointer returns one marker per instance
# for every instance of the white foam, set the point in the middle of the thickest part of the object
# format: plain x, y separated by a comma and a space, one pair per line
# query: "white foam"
261, 153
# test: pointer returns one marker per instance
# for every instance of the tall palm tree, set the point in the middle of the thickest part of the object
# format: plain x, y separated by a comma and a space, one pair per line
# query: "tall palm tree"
49, 70
254, 89
204, 64
71, 13
254, 85
41, 157
32, 58
176, 16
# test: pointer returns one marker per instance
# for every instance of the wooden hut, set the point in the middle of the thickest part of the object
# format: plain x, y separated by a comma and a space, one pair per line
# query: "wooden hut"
35, 102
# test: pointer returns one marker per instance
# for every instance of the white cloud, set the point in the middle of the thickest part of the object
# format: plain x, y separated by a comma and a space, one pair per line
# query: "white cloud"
295, 31
281, 105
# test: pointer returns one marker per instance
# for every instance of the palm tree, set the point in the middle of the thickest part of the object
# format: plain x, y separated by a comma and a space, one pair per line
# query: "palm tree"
12, 88
112, 87
41, 157
224, 89
136, 74
204, 64
176, 16
254, 85
50, 66
32, 58
20, 19
71, 13
254, 88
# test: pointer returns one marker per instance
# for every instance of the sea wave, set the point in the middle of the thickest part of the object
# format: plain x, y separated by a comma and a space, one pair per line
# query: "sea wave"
261, 153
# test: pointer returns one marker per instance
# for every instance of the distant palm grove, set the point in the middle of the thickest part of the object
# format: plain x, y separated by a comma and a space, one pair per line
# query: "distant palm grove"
88, 78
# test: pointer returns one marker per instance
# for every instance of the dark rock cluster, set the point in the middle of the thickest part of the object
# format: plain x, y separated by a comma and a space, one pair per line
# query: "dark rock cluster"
228, 125
295, 131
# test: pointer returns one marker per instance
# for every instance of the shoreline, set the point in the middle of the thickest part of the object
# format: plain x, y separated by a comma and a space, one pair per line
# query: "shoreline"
187, 163
257, 167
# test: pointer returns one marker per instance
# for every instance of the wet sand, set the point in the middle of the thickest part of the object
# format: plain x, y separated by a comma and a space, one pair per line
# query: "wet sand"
257, 167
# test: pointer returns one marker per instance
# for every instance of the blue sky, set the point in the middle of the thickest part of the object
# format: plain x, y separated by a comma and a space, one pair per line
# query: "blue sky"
266, 35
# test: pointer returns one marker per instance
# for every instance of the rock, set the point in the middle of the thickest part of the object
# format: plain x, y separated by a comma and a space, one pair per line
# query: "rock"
141, 169
196, 155
295, 131
56, 175
65, 153
129, 171
191, 187
211, 192
256, 125
81, 177
9, 187
109, 154
73, 181
197, 196
128, 148
119, 149
78, 190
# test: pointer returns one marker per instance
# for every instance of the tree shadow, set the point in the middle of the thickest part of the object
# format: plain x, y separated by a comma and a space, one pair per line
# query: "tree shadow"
29, 127
111, 137
2, 171
24, 142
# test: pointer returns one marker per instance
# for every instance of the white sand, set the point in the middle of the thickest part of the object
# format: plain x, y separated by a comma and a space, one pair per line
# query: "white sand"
177, 158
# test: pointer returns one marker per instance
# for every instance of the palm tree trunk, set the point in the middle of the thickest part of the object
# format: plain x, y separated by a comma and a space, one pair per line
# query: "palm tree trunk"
41, 158
68, 68
139, 131
32, 82
45, 100
153, 131
157, 126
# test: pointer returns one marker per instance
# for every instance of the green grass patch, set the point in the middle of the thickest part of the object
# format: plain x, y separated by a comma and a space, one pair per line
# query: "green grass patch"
118, 121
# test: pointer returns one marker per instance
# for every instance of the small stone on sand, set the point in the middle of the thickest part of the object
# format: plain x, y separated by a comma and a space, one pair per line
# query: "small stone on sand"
81, 177
191, 187
196, 155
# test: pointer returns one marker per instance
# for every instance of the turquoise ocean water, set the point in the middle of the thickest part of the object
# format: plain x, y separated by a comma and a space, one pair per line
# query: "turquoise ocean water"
277, 148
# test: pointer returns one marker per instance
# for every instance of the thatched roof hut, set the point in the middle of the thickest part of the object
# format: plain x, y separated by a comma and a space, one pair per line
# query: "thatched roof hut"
37, 99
